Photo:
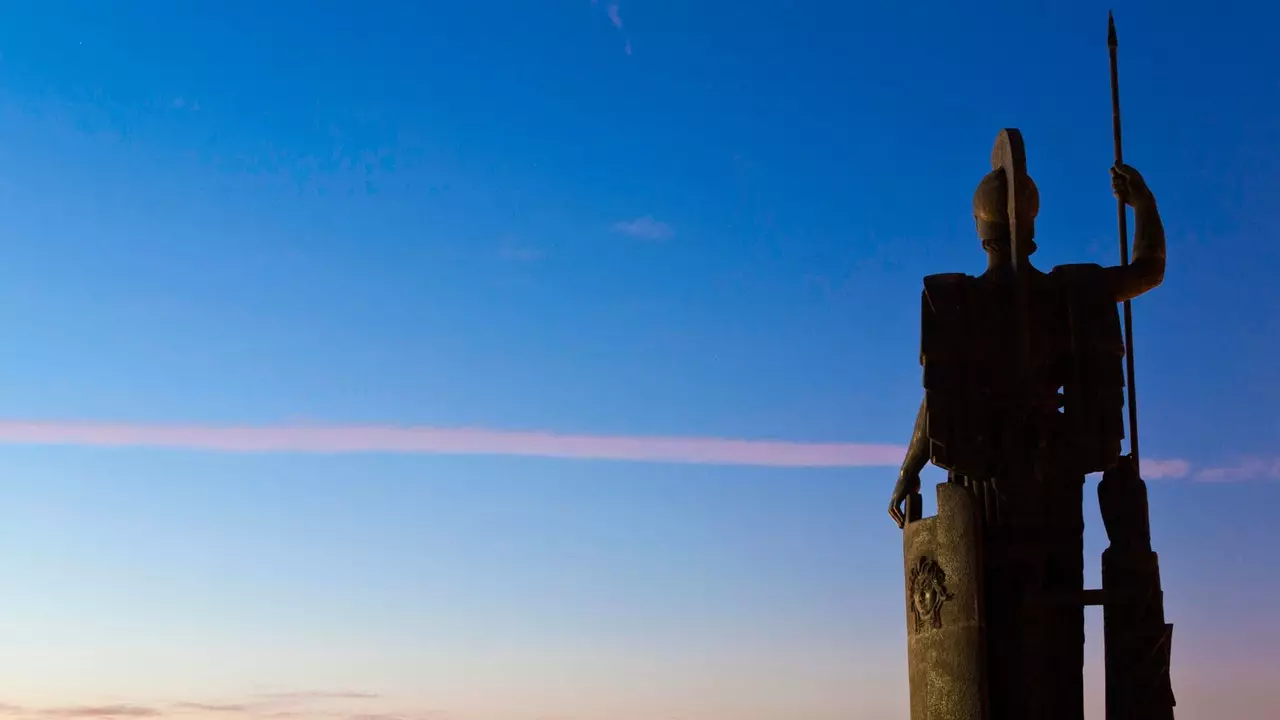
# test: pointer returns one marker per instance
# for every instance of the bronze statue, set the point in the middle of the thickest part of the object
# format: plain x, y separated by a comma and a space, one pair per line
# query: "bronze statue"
1122, 282
1025, 381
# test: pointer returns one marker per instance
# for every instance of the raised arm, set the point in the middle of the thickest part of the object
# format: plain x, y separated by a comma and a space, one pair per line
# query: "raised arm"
909, 476
1146, 270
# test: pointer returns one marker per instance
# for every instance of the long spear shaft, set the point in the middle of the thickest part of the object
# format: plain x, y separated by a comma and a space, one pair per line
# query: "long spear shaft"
1112, 45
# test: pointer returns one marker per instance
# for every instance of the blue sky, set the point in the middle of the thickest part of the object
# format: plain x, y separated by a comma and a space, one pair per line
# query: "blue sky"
687, 220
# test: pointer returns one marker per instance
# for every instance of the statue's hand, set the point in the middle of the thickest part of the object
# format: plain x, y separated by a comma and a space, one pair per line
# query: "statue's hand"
908, 484
1129, 186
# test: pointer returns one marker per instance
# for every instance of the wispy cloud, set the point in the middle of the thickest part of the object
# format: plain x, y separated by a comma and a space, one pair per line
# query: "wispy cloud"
428, 715
101, 711
309, 695
645, 228
1165, 469
514, 253
213, 707
261, 705
613, 10
447, 441
1248, 469
319, 439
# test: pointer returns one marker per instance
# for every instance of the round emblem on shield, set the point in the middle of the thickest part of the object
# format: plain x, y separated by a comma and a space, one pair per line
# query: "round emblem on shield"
928, 593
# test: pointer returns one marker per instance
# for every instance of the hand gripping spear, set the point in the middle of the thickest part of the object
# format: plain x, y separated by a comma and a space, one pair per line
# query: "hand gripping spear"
1122, 215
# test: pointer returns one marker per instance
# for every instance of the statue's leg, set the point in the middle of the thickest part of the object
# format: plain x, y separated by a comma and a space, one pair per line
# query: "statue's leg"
1063, 656
1035, 622
1004, 573
1008, 639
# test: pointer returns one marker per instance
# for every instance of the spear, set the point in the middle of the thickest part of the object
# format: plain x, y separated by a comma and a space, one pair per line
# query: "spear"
1112, 46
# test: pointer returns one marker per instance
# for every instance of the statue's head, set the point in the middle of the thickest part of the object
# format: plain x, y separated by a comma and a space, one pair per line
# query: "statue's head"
991, 212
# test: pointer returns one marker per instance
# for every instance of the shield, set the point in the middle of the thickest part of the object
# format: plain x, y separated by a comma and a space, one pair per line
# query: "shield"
944, 610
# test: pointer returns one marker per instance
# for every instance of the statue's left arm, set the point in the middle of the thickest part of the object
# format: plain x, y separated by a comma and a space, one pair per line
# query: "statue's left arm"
1146, 270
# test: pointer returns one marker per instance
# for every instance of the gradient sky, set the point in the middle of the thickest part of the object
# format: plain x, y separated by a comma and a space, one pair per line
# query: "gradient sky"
448, 268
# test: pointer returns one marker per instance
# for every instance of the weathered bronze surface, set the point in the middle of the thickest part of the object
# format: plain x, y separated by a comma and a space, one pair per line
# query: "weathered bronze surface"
944, 613
1024, 384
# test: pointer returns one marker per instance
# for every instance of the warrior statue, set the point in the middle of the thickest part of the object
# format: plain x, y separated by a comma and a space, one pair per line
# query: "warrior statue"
1024, 396
1025, 383
1120, 283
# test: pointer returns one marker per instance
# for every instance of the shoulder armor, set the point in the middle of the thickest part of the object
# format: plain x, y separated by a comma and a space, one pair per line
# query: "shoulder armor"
1074, 268
1093, 379
944, 300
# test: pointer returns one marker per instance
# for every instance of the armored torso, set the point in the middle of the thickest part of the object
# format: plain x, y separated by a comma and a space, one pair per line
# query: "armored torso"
1073, 389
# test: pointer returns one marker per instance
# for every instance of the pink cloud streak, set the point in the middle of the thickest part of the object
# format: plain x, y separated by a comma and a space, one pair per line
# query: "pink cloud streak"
445, 441
1251, 468
477, 441
1165, 469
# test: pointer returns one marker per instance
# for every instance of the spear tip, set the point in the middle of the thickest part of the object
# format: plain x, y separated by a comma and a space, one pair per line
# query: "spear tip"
1111, 30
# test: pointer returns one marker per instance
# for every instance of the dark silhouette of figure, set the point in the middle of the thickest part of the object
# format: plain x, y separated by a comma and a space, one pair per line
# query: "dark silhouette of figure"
1122, 282
1024, 396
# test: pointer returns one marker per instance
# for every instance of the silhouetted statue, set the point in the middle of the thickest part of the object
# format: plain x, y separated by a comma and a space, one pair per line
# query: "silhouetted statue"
1024, 395
1119, 283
